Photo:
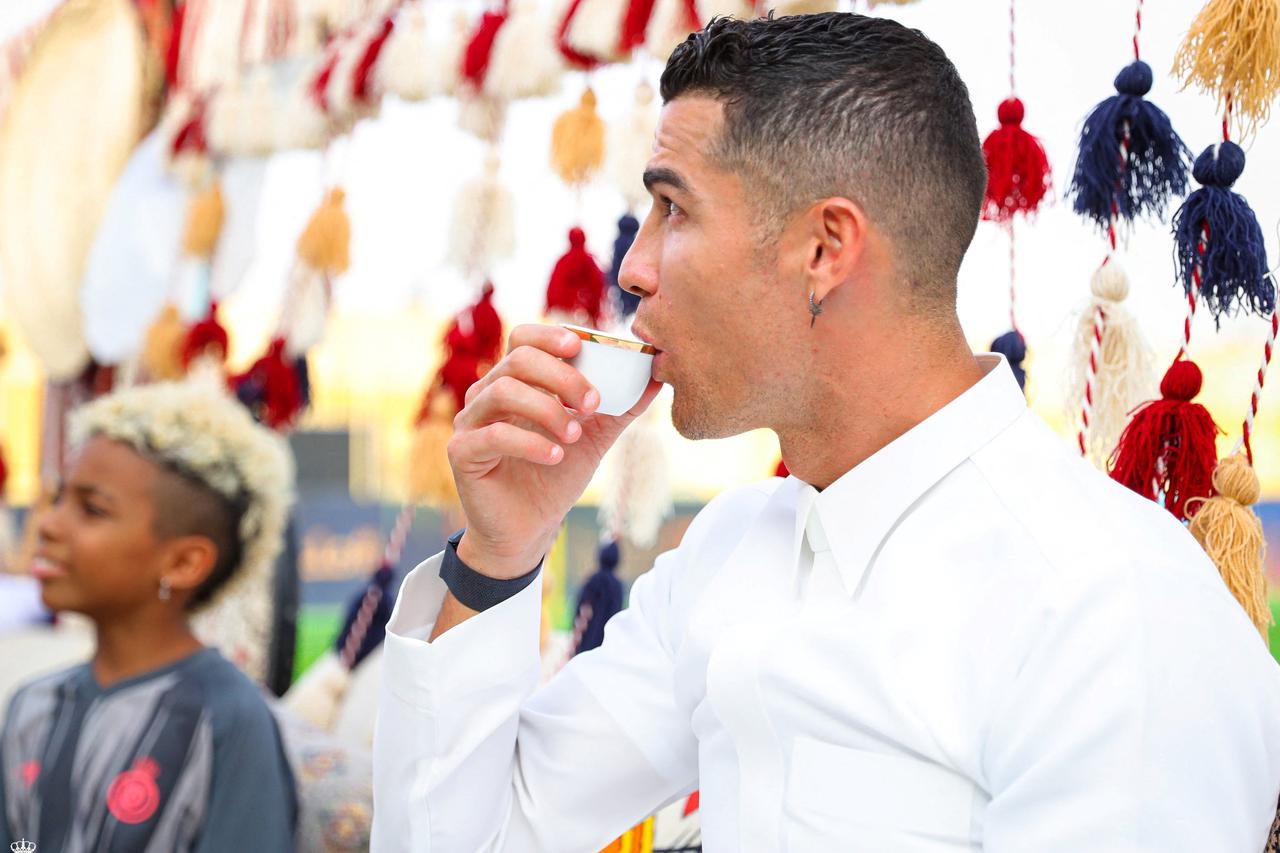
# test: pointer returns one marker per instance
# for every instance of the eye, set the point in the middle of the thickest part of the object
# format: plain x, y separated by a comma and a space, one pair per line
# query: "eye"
669, 207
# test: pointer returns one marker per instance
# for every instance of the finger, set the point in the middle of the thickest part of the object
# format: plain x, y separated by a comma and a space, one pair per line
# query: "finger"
543, 370
507, 397
479, 449
556, 340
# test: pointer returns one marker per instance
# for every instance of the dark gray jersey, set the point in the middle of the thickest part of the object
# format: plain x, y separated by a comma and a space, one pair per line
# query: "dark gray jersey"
185, 758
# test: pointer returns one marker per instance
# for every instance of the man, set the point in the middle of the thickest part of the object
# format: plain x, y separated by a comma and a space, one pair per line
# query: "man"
943, 632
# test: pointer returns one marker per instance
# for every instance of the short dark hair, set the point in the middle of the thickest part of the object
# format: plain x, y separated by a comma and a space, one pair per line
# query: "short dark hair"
837, 104
186, 506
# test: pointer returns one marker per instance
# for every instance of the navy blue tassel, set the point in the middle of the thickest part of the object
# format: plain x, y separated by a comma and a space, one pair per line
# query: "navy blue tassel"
1013, 347
626, 303
1234, 271
301, 370
376, 630
602, 594
1156, 168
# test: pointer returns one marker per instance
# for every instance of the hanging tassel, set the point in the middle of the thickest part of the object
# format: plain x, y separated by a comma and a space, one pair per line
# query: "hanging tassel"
162, 351
1169, 444
475, 59
228, 119
430, 476
302, 124
671, 23
524, 62
1013, 347
1018, 176
781, 470
636, 497
1228, 528
403, 68
599, 600
575, 58
325, 244
1232, 256
634, 24
269, 388
261, 136
631, 146
317, 695
445, 62
482, 231
205, 213
1154, 168
596, 28
487, 338
576, 290
307, 312
577, 142
482, 116
1232, 51
625, 303
207, 340
303, 374
1123, 371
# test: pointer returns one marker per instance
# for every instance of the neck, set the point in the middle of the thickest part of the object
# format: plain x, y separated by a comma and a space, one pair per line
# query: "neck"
136, 645
867, 397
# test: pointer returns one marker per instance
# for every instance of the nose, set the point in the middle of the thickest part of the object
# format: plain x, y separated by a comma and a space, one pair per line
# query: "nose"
49, 521
638, 274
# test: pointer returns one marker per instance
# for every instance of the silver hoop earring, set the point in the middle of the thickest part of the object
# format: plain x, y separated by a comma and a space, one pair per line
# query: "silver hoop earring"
165, 590
815, 308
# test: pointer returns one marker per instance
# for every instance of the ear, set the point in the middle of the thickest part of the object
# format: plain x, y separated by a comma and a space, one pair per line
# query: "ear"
189, 560
835, 237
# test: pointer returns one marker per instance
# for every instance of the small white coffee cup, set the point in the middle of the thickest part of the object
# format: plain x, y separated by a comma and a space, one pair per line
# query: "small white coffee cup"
617, 367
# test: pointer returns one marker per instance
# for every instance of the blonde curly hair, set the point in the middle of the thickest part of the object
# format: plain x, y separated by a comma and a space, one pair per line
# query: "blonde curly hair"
199, 430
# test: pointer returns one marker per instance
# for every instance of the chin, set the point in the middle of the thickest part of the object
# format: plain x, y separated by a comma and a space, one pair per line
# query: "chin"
697, 420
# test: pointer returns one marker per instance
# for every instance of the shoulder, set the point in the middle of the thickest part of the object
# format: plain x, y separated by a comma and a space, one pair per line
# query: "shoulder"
237, 707
38, 696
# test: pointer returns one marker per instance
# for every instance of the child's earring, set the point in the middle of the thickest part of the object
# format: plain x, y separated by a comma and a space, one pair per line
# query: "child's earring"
165, 591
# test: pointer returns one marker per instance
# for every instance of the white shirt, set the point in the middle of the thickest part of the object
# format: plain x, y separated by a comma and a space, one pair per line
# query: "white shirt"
995, 648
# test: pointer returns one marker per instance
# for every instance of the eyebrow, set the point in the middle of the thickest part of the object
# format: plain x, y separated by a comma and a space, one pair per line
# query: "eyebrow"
89, 491
669, 177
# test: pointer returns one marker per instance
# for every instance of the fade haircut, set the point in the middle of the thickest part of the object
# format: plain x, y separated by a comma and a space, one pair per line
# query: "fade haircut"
843, 105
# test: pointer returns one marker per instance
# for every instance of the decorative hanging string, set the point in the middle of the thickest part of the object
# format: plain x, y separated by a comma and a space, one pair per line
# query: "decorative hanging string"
1247, 427
373, 595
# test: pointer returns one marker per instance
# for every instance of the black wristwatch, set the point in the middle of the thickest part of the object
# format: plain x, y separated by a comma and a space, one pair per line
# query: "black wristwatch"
473, 589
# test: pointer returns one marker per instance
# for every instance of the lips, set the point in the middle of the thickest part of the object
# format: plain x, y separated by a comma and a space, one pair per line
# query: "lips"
43, 569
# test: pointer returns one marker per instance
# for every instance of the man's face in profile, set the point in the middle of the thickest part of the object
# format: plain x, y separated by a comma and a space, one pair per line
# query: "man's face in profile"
716, 301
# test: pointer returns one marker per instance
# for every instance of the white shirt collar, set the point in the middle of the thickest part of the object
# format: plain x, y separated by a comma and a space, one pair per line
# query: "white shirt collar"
858, 510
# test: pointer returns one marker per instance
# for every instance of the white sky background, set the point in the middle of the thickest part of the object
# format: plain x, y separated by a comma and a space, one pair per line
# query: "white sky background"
403, 169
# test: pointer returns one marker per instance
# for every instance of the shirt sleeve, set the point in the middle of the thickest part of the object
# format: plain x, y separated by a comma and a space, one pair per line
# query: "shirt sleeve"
468, 758
1141, 720
253, 795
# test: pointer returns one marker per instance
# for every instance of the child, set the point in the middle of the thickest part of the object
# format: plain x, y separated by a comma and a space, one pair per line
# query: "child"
158, 743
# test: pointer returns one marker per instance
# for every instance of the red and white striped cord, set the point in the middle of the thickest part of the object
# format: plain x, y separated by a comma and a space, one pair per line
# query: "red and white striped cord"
1196, 273
1247, 428
1091, 375
1137, 31
1013, 279
1013, 44
369, 604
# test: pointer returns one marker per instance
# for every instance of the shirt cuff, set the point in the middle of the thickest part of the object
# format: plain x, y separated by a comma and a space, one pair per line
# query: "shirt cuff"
498, 646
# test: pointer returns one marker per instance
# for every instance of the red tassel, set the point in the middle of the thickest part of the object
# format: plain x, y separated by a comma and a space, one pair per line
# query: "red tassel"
190, 138
320, 83
1169, 445
781, 470
577, 285
362, 80
634, 25
4, 475
486, 328
578, 60
473, 343
475, 61
207, 337
270, 388
173, 55
1018, 176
